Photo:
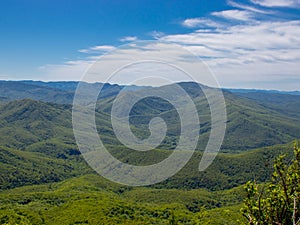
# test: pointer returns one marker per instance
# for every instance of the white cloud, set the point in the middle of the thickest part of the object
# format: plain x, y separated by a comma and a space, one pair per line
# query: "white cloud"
244, 55
70, 70
156, 34
234, 14
99, 48
276, 3
129, 38
199, 22
258, 36
247, 7
252, 54
256, 55
153, 59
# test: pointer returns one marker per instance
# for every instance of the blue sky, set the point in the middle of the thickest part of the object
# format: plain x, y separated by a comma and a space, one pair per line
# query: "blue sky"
248, 44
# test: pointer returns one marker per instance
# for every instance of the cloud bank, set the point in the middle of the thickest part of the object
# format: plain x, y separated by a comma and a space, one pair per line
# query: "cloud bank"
252, 45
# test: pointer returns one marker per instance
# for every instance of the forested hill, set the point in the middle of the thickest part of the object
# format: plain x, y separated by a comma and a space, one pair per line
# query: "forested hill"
254, 119
38, 146
45, 180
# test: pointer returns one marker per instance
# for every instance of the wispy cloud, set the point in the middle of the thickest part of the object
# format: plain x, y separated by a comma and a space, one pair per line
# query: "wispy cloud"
247, 7
277, 3
245, 38
239, 54
234, 14
241, 46
70, 70
199, 22
99, 48
156, 34
128, 38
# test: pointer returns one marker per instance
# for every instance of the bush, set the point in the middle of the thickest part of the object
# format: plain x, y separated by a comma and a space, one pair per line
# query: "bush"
277, 202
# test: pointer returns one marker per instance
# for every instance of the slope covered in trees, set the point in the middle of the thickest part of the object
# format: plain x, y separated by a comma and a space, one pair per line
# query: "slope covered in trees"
43, 176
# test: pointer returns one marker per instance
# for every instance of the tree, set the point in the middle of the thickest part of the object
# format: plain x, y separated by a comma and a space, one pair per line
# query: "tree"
277, 202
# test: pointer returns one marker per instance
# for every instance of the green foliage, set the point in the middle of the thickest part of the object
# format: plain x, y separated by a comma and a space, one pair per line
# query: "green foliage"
37, 147
18, 168
279, 201
283, 103
253, 122
250, 124
91, 199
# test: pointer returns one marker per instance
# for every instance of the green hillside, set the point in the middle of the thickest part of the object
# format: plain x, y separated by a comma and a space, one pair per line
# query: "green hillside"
43, 132
44, 179
250, 124
284, 103
254, 119
92, 200
20, 168
57, 158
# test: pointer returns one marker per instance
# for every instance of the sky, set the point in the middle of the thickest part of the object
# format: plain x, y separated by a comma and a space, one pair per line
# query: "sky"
246, 44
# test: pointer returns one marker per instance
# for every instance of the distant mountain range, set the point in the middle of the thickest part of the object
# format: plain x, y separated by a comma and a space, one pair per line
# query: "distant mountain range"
63, 91
56, 92
262, 91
